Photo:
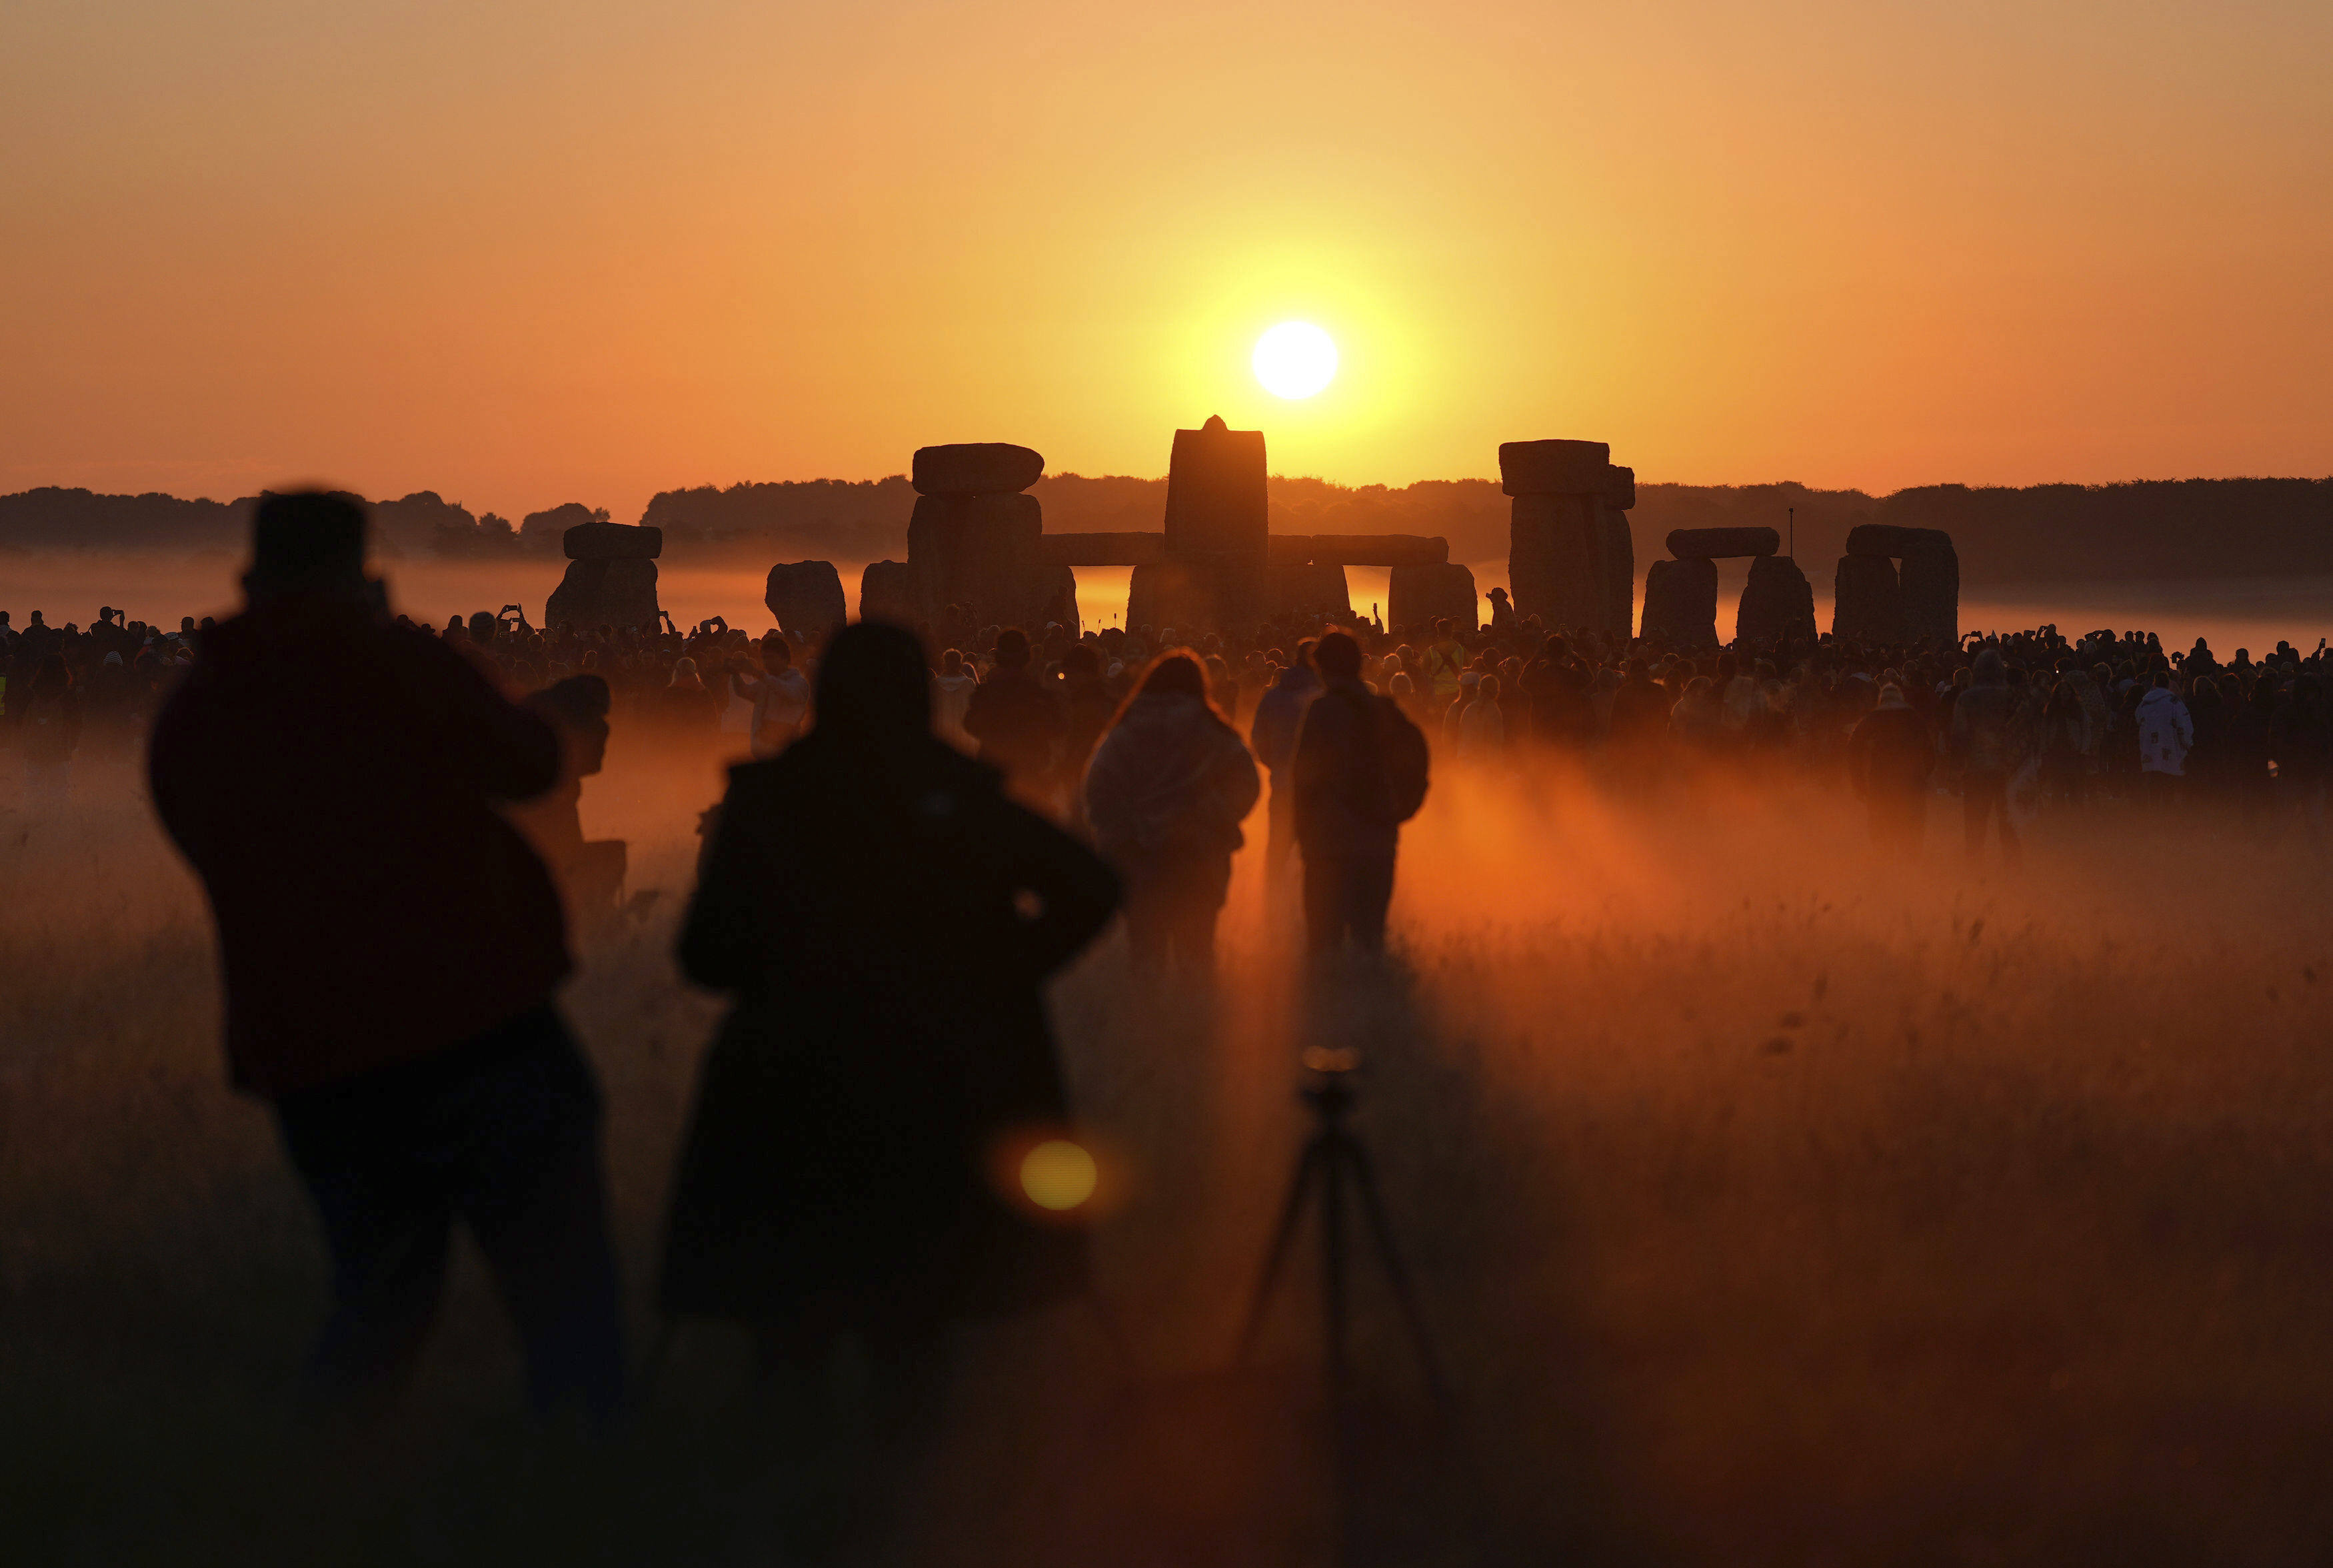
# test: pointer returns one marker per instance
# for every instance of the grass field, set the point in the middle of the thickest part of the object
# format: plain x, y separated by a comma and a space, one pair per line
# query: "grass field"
1770, 1203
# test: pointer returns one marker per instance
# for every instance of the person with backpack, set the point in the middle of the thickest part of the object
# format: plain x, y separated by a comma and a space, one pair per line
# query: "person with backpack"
1360, 772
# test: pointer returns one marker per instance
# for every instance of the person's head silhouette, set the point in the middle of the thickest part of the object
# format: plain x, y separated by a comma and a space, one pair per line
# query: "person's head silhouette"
872, 685
308, 544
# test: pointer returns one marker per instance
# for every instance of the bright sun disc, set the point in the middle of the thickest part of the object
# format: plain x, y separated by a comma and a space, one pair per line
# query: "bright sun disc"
1295, 360
1058, 1175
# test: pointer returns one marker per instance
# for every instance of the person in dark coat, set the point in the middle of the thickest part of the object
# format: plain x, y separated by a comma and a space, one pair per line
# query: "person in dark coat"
1893, 754
885, 918
390, 943
1357, 778
1169, 787
1273, 734
1018, 720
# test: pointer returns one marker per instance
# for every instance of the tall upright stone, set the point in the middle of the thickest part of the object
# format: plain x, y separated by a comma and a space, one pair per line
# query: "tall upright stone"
1932, 591
1681, 603
1310, 590
611, 578
1866, 600
887, 592
972, 537
1777, 604
1570, 559
1218, 523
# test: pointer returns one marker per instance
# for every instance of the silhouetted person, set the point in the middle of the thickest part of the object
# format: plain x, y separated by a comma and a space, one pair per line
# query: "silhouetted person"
1988, 746
2165, 732
1279, 714
1169, 785
49, 731
390, 944
1017, 719
1360, 772
886, 917
590, 872
780, 694
1088, 708
1892, 756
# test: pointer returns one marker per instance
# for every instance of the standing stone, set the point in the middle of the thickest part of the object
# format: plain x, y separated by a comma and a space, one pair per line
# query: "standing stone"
887, 592
1218, 521
981, 552
1888, 539
1310, 591
1681, 603
806, 597
1419, 596
1166, 594
976, 468
1777, 604
1932, 591
1061, 585
595, 593
1868, 602
613, 541
1570, 559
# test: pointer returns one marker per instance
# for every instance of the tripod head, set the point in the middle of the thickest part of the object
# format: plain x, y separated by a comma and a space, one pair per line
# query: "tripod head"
1331, 1089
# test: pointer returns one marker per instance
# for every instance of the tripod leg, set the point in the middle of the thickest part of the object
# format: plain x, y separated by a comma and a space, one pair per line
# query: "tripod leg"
1333, 1264
1298, 1183
1365, 1177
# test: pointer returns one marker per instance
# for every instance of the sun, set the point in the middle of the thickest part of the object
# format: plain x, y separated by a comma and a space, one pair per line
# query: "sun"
1295, 360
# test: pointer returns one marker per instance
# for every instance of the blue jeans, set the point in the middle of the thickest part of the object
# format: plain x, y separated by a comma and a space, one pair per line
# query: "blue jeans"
502, 1132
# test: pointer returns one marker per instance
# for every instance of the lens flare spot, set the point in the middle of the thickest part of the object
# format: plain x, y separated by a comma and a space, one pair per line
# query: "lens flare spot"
1295, 360
1059, 1175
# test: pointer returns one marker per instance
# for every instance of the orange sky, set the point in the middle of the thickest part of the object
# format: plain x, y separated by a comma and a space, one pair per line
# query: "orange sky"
525, 254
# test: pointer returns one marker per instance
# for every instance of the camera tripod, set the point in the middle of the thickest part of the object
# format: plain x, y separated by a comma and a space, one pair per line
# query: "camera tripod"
1333, 1159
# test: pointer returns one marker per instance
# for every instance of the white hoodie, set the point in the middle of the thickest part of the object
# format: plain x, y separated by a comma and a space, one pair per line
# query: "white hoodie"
2164, 732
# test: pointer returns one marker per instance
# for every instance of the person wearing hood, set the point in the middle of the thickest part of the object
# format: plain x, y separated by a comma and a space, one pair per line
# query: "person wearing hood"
1892, 755
2165, 733
1279, 714
1169, 785
886, 917
1986, 743
390, 943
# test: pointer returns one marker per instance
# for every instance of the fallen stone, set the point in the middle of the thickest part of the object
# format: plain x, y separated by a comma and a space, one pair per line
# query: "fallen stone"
1716, 544
613, 541
1887, 538
1417, 596
806, 596
1555, 467
1777, 604
887, 592
976, 468
1681, 603
601, 592
1868, 601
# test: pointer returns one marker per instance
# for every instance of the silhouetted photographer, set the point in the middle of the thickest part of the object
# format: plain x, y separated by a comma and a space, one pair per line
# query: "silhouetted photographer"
390, 943
1360, 772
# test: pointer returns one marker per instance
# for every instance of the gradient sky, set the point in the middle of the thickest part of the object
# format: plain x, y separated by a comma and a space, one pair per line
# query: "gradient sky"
521, 254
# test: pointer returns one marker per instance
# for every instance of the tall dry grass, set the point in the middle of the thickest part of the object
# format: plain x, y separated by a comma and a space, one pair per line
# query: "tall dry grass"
1771, 1203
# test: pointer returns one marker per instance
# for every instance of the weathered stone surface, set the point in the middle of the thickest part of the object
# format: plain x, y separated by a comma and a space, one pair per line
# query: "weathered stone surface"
1555, 467
981, 552
1310, 590
1714, 543
1061, 586
1217, 517
1777, 603
1887, 538
1357, 550
613, 541
1868, 602
1617, 566
976, 468
1556, 566
596, 593
1620, 487
1101, 548
1932, 592
1681, 603
1169, 594
1417, 596
887, 592
806, 596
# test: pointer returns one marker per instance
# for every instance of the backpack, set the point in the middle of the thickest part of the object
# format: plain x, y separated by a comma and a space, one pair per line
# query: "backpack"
1401, 747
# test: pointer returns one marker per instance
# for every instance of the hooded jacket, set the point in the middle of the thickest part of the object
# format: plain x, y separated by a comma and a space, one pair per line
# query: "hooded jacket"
1170, 778
2165, 732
